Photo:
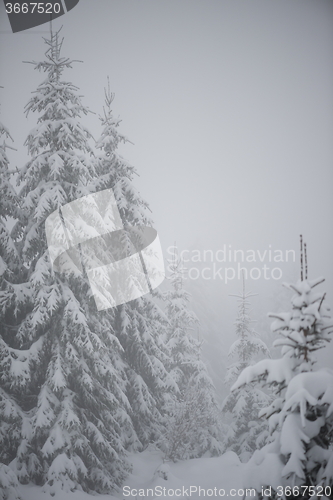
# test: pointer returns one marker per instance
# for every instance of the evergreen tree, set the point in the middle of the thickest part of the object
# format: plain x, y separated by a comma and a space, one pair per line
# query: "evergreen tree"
194, 426
63, 368
8, 484
301, 416
10, 413
247, 432
184, 348
140, 323
8, 208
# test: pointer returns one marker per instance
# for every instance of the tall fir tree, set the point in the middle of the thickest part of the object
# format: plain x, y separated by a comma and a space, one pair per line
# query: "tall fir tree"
299, 454
247, 432
194, 424
139, 324
10, 413
63, 367
9, 207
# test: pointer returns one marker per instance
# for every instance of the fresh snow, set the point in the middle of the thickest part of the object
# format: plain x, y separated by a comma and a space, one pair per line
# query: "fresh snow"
149, 471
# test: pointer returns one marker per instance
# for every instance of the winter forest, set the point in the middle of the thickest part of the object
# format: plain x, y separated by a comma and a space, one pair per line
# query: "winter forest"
188, 390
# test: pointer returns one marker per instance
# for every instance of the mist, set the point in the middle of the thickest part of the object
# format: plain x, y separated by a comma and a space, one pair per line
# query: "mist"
229, 109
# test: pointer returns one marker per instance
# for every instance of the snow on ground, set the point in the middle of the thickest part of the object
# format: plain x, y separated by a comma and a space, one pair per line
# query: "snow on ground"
149, 471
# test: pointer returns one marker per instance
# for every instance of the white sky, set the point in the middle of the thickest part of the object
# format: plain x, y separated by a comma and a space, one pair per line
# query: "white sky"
229, 104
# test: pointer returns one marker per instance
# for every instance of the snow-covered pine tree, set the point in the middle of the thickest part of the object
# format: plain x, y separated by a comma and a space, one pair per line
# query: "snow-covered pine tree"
8, 208
247, 432
10, 413
8, 484
300, 453
184, 348
139, 324
194, 424
63, 368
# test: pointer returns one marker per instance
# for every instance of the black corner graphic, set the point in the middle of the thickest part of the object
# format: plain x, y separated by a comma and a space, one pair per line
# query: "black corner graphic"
26, 14
70, 4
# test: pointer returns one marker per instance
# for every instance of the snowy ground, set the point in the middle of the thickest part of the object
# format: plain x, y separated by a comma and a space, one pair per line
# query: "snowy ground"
223, 472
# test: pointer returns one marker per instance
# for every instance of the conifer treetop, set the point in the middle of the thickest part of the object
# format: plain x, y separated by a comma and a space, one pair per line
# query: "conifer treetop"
243, 320
114, 171
59, 147
302, 331
54, 63
248, 343
111, 137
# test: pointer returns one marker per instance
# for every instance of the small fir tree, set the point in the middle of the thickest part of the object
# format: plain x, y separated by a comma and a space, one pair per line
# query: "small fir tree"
184, 348
247, 432
301, 416
194, 426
